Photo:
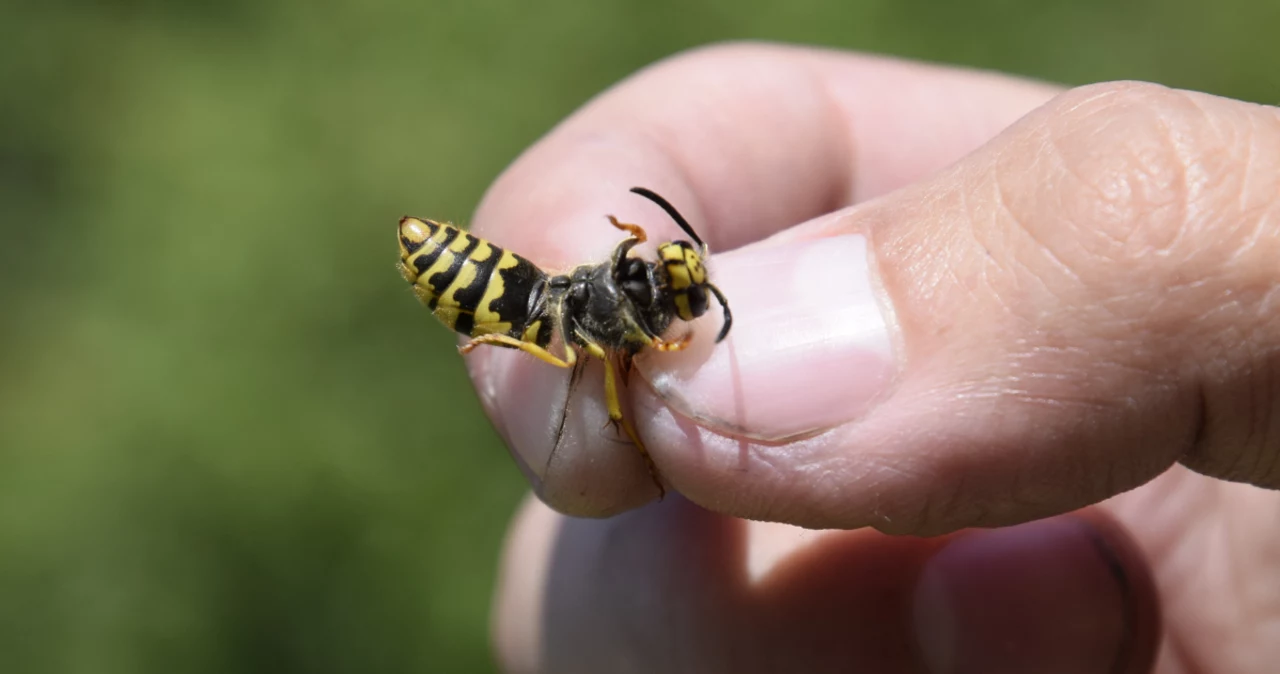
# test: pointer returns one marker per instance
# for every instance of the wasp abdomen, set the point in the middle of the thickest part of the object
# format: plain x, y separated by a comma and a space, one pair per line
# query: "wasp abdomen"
471, 285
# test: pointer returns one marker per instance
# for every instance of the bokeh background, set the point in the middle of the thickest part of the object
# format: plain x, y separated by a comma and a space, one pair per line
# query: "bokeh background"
230, 440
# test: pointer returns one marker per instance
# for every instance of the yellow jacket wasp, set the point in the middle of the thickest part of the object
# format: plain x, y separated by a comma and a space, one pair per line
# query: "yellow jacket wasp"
610, 310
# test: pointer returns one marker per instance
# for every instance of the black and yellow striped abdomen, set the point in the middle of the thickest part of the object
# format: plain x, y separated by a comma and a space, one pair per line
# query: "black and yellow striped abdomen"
471, 285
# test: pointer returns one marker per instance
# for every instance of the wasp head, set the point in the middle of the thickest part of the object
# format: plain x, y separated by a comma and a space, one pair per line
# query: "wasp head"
686, 278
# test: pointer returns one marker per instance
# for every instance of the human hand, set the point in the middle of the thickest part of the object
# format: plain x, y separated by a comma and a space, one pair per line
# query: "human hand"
978, 321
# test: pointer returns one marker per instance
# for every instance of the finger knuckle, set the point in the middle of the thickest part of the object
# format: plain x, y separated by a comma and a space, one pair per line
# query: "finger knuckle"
1238, 438
1125, 153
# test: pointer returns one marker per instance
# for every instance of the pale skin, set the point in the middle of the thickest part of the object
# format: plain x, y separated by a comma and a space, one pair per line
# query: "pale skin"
1082, 285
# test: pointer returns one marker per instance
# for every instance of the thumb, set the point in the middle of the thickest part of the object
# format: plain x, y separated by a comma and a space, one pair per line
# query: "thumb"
1058, 318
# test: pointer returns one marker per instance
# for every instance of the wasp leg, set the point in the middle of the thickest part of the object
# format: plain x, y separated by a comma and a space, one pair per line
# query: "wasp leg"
527, 347
678, 345
616, 416
575, 376
636, 231
637, 237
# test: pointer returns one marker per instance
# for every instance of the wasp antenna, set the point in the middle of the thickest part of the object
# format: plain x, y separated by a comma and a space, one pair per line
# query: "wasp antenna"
671, 211
728, 315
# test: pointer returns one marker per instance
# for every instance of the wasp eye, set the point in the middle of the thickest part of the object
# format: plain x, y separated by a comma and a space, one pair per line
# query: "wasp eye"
698, 300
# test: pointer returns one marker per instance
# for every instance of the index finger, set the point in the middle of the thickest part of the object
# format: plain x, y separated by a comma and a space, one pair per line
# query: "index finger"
746, 140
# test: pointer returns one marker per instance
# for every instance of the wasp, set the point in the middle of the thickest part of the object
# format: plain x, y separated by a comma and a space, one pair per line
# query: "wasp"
610, 310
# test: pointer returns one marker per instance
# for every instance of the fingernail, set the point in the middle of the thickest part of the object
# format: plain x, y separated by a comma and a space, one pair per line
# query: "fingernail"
809, 348
1047, 596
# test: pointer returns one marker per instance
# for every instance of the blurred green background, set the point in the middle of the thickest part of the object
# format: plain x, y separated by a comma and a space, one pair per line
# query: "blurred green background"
230, 440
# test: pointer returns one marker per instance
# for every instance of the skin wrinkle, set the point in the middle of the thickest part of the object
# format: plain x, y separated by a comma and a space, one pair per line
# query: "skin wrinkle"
1182, 207
952, 276
1138, 111
948, 500
1055, 402
829, 477
1116, 305
1139, 165
1119, 477
1010, 385
1100, 92
910, 516
1247, 170
1186, 147
1028, 495
1243, 458
1260, 231
1056, 145
868, 475
1067, 374
1002, 203
927, 279
773, 461
1021, 489
923, 515
1023, 273
1267, 206
1004, 397
984, 272
1067, 354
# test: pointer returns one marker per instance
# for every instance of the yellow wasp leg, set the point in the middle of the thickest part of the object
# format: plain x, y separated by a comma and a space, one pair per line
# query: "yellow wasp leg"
527, 347
615, 412
636, 231
678, 345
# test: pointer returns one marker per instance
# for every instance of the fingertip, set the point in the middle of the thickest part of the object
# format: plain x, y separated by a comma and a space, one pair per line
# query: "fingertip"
559, 436
518, 599
673, 587
1066, 591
